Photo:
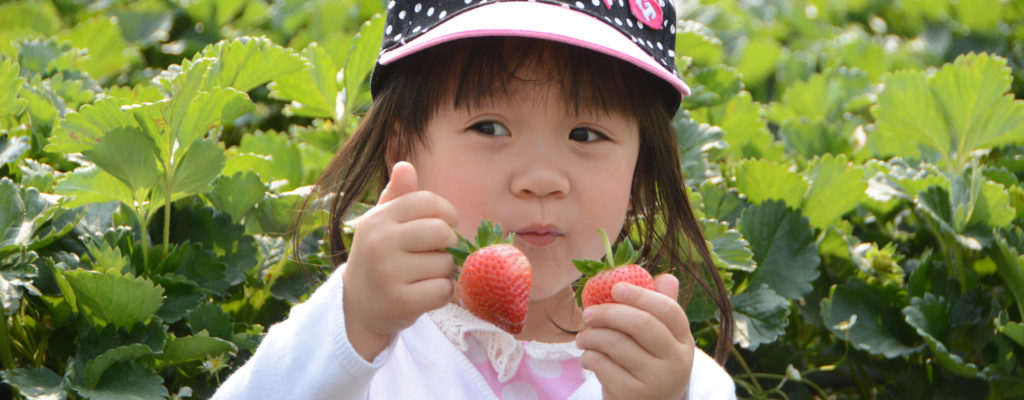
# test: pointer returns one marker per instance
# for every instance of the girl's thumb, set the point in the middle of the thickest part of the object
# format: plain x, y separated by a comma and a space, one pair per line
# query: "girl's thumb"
403, 180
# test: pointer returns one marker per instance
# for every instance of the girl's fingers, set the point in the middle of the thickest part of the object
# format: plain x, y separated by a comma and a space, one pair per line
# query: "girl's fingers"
418, 205
608, 372
424, 235
662, 307
619, 348
648, 332
425, 266
429, 294
403, 180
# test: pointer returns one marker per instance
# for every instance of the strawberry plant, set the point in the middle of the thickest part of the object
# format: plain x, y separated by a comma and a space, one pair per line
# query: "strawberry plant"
856, 168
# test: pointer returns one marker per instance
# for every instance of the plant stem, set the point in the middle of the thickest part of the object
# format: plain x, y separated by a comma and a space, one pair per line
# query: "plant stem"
746, 368
5, 342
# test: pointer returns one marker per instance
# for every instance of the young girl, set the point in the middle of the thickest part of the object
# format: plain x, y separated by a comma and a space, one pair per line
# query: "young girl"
553, 120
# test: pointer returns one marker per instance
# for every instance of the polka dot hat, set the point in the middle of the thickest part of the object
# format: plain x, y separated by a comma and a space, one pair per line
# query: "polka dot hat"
641, 32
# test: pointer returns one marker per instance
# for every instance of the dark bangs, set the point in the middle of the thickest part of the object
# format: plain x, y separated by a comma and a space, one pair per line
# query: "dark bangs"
482, 71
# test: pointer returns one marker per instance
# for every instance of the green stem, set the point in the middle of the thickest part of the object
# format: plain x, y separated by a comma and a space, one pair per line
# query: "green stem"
746, 368
6, 356
167, 223
144, 233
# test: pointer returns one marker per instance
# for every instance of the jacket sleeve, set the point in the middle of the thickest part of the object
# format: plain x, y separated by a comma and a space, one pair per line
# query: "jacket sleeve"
708, 380
306, 356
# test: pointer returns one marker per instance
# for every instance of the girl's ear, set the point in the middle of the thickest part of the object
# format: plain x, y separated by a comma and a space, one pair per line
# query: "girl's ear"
396, 149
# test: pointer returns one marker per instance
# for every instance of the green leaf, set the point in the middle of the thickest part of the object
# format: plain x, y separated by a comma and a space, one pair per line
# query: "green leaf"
129, 155
698, 42
1012, 330
95, 368
729, 249
144, 23
784, 249
361, 59
127, 381
1010, 267
946, 118
41, 18
695, 140
761, 317
745, 129
191, 117
246, 62
757, 58
196, 347
313, 91
91, 185
212, 13
22, 212
762, 180
837, 187
107, 53
869, 317
720, 202
712, 86
80, 131
201, 164
979, 15
181, 295
930, 316
236, 195
115, 299
36, 383
212, 319
10, 85
44, 57
808, 138
12, 147
272, 155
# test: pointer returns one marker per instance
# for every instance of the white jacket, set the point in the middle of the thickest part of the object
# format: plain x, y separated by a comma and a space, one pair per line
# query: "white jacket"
308, 356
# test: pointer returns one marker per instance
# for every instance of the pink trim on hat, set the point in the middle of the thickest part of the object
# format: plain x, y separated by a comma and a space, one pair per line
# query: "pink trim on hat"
541, 21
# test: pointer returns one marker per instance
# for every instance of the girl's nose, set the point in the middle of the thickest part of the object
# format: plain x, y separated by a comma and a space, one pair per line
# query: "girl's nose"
540, 181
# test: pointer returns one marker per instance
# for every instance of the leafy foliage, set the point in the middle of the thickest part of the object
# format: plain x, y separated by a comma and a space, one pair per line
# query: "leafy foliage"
856, 168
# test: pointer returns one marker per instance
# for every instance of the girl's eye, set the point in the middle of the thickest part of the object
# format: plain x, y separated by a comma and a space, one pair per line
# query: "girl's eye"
490, 128
585, 135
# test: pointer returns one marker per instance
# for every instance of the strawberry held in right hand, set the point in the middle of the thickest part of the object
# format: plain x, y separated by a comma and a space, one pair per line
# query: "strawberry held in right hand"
496, 277
599, 277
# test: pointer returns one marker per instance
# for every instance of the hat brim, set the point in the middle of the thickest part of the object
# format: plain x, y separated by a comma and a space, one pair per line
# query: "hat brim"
540, 21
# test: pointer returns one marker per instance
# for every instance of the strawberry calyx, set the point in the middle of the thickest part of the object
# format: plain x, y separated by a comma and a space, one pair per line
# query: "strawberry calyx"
624, 254
487, 234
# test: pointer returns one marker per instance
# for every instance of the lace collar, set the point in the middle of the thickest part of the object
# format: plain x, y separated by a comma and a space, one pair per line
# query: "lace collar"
503, 350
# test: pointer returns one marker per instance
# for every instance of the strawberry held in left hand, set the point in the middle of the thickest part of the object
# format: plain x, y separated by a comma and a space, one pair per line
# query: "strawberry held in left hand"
495, 280
599, 277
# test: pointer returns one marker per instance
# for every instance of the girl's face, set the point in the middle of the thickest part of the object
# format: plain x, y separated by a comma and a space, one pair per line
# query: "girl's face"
552, 176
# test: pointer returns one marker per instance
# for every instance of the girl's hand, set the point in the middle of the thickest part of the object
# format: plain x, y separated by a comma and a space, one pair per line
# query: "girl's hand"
397, 268
641, 346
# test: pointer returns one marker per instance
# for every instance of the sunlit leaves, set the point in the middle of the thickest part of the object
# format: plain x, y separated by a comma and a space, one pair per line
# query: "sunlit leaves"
947, 117
836, 188
113, 298
247, 62
313, 91
365, 47
10, 85
107, 53
762, 180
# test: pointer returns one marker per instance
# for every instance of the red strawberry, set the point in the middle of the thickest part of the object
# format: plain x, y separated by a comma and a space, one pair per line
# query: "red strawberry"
495, 280
599, 277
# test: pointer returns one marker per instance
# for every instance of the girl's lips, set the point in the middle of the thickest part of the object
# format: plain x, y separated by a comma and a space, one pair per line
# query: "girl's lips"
537, 239
538, 236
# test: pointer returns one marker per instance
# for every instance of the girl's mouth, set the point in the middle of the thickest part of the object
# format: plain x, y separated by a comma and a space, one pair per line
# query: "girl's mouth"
538, 236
